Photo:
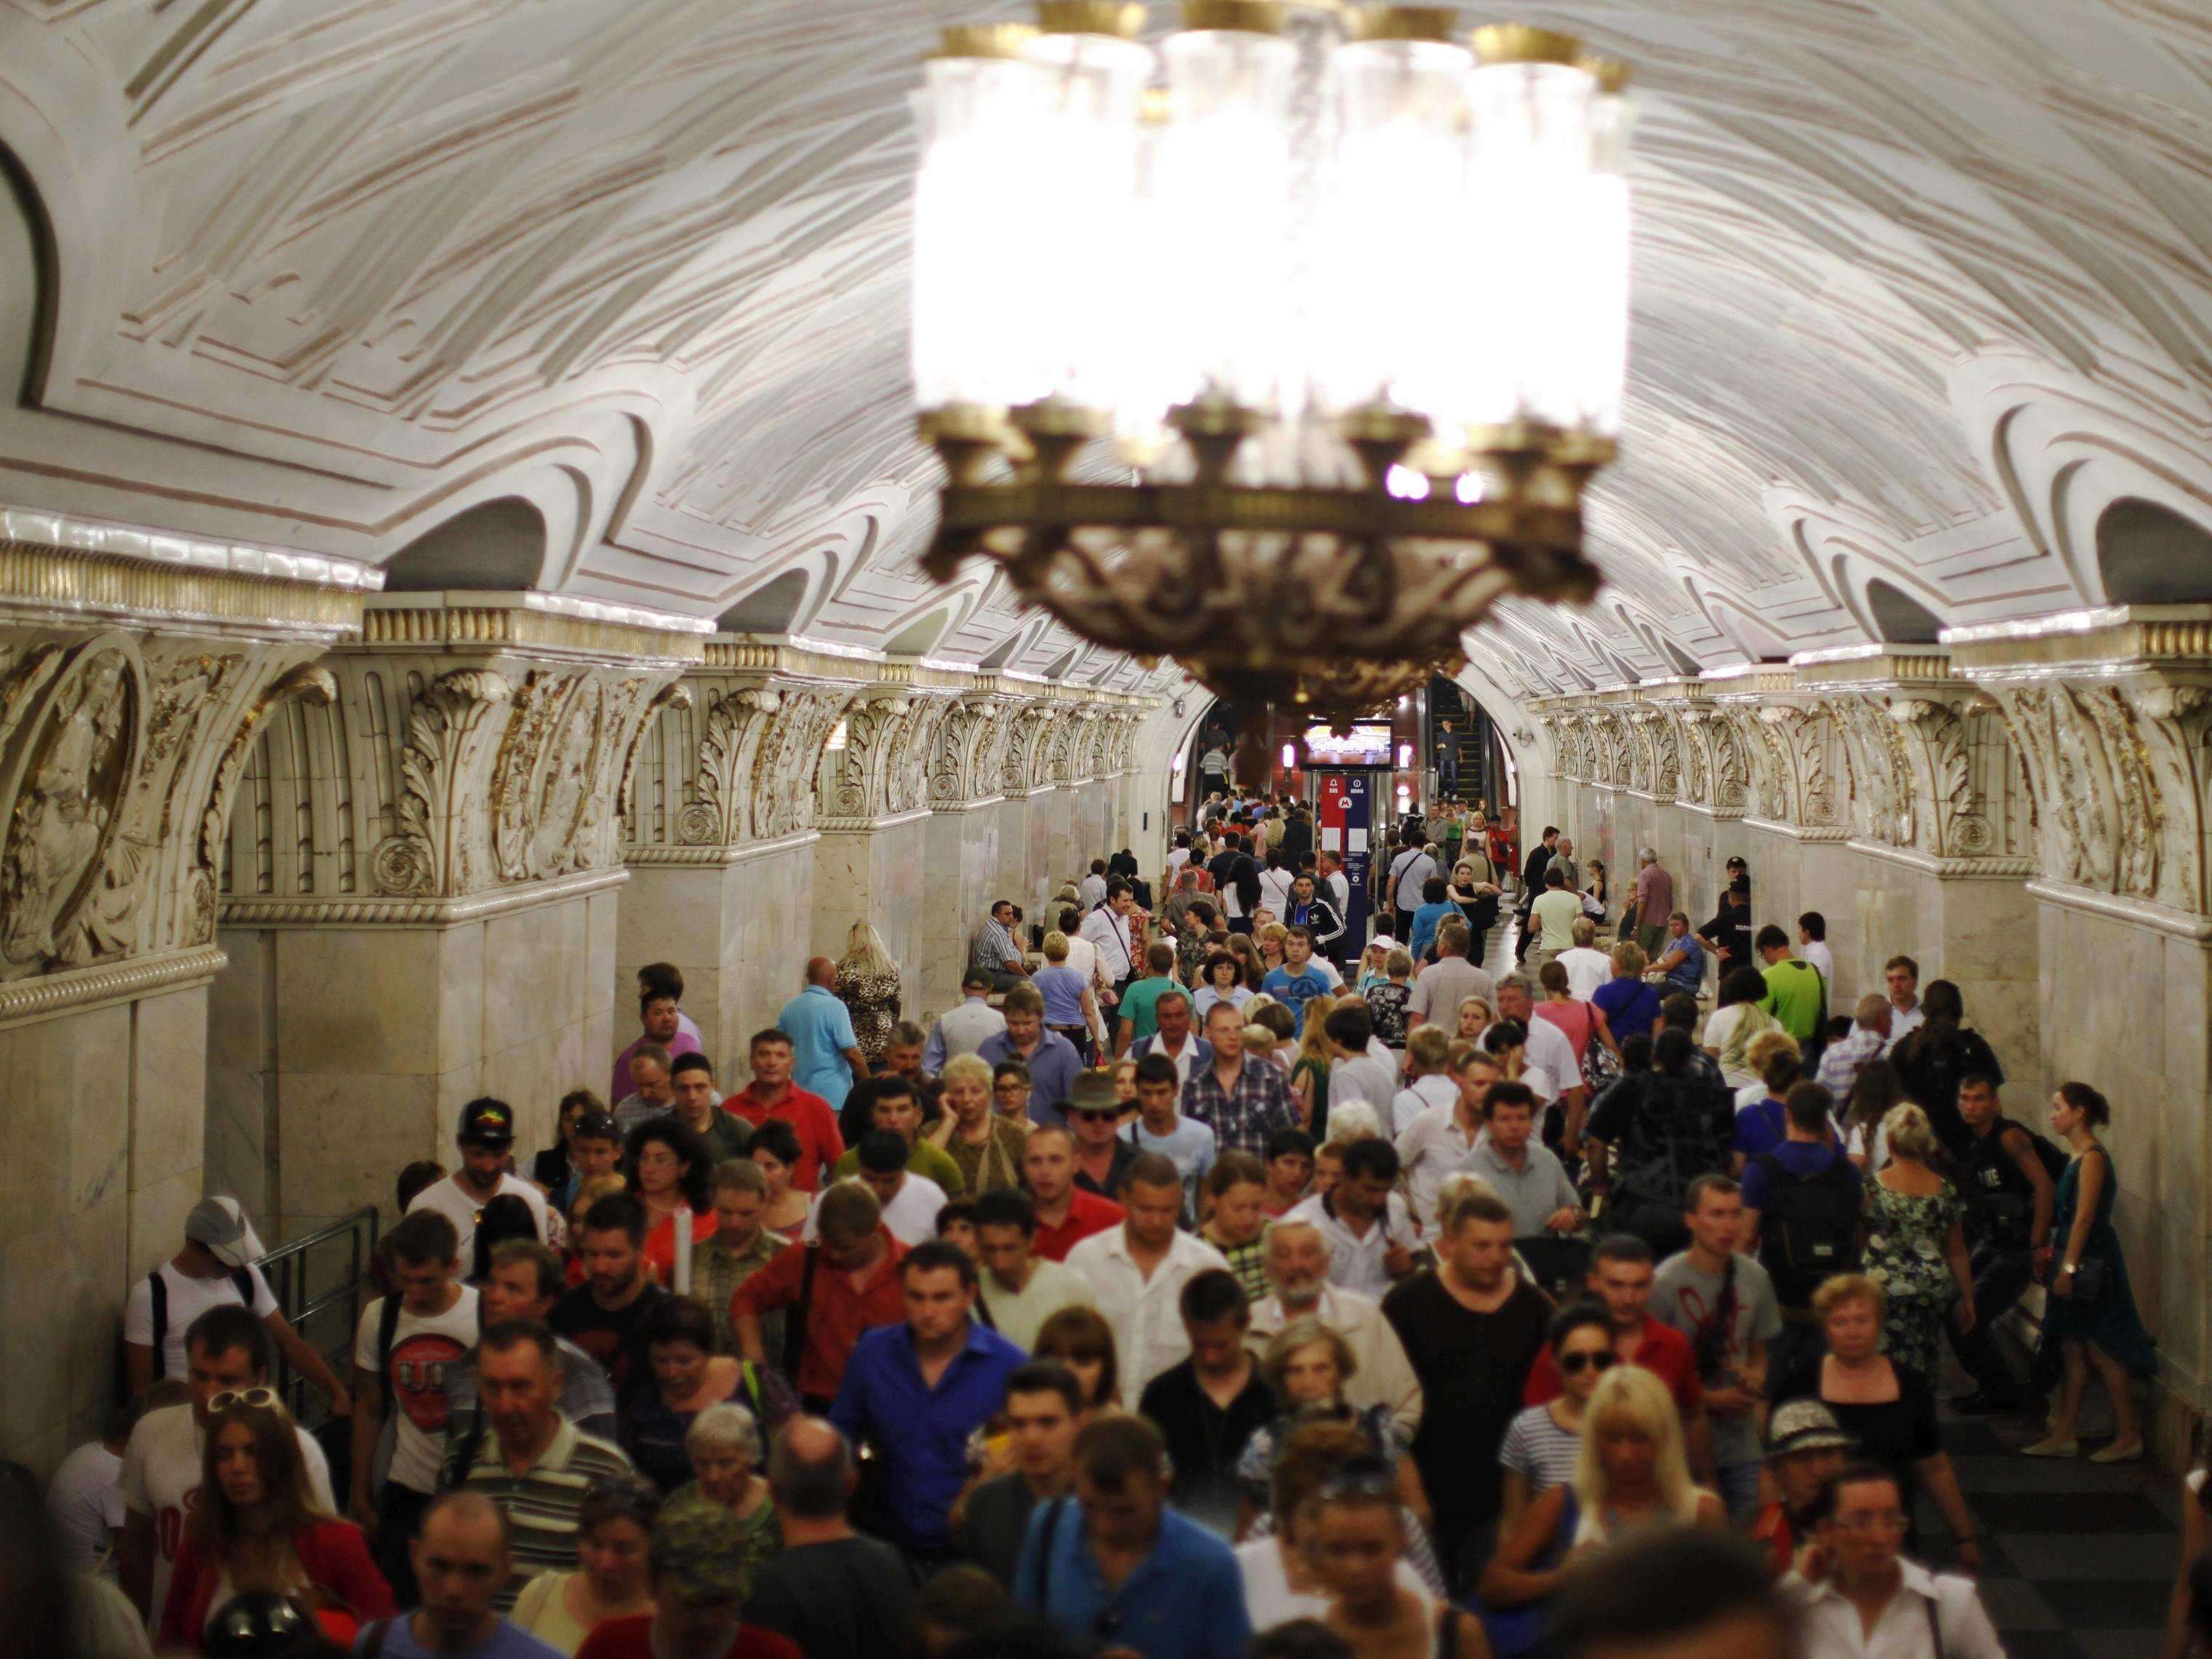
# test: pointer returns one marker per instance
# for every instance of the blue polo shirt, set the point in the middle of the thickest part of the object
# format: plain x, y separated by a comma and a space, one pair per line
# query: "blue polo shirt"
1185, 1601
1294, 991
921, 1433
820, 1028
1688, 974
1053, 1071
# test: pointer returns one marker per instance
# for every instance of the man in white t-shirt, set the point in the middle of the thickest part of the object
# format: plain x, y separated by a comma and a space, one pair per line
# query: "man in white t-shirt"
402, 1351
486, 1138
214, 1267
910, 1202
1813, 946
227, 1351
1587, 967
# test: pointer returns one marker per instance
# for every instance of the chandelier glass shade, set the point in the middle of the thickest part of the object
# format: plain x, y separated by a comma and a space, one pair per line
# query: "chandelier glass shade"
1284, 348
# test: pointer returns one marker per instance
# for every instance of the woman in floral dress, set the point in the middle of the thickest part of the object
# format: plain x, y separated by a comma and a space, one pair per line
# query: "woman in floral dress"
1917, 1244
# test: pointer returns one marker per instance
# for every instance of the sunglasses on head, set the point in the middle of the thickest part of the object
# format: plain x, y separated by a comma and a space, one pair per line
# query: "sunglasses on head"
1603, 1360
229, 1397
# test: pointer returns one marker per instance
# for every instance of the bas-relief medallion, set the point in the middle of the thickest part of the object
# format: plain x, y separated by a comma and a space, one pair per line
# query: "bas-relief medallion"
72, 734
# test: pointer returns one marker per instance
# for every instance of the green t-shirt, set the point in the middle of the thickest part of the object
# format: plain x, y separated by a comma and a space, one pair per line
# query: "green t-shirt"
1797, 996
1139, 1005
927, 1158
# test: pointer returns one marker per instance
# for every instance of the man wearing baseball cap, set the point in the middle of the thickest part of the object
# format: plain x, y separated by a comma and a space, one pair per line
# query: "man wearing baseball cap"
486, 1139
1805, 1446
214, 1267
694, 1561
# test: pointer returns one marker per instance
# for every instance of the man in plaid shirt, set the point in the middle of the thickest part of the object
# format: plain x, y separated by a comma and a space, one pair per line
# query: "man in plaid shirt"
1242, 1102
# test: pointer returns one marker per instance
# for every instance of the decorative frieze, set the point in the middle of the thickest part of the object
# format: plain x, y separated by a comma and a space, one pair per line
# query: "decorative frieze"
2112, 712
471, 745
120, 740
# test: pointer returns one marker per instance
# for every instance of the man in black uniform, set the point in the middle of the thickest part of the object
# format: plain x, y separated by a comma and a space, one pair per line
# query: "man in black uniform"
2004, 1178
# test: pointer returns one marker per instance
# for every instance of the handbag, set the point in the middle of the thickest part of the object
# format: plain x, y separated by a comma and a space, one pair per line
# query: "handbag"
2091, 1276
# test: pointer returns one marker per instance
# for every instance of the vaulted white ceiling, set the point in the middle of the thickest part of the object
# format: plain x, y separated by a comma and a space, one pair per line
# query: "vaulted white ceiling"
1922, 291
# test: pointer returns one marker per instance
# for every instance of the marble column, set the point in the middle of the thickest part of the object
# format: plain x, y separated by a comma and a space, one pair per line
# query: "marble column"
1936, 802
421, 892
135, 672
960, 847
2112, 712
721, 833
875, 797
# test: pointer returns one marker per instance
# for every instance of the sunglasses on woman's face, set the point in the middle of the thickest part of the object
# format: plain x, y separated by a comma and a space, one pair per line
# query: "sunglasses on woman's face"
229, 1397
1603, 1359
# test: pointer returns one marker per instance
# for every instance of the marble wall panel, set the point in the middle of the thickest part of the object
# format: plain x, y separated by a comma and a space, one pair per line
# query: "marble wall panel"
960, 867
1013, 875
2127, 1012
519, 1005
94, 1196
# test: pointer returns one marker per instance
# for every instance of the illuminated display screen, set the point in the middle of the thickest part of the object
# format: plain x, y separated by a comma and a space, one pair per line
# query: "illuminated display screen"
1364, 746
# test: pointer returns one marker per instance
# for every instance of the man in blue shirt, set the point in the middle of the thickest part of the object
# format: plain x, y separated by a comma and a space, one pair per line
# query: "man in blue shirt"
1683, 960
1114, 1567
1297, 982
917, 1390
825, 1051
1052, 1059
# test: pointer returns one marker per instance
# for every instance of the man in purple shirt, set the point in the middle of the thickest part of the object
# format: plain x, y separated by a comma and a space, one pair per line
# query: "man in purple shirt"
1655, 903
659, 1013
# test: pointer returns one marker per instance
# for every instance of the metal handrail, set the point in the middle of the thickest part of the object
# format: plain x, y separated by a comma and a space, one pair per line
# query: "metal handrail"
299, 1304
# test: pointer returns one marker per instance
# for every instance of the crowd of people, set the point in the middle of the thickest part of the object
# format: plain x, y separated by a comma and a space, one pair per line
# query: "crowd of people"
1210, 1280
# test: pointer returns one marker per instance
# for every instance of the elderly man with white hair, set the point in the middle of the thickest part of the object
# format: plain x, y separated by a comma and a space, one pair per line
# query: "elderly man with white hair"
1655, 902
1564, 862
1296, 1260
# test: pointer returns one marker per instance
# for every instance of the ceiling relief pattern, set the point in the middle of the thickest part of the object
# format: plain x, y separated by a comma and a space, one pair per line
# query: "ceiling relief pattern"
1920, 290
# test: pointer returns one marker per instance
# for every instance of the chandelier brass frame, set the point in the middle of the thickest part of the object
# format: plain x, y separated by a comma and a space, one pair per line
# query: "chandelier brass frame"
1334, 597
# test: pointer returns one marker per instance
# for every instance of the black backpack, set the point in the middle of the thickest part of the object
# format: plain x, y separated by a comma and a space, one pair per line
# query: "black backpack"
242, 1281
1808, 1228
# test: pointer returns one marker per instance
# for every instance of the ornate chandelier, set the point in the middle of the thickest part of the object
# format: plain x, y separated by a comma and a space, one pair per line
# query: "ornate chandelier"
1289, 369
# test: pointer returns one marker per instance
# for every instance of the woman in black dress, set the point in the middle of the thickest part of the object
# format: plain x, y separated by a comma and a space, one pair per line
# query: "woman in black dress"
1887, 1407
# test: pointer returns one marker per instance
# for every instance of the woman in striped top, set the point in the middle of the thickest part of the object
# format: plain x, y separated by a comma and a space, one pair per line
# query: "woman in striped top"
1540, 1448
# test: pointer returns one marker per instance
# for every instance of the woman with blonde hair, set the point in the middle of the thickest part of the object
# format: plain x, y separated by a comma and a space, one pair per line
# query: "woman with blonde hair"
1630, 1007
868, 985
1310, 1068
1916, 1243
1474, 1017
1272, 939
1070, 1007
986, 1144
1631, 1473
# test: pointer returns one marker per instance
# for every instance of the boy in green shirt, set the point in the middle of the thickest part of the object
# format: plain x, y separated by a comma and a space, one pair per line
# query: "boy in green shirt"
1140, 1002
1795, 993
895, 1108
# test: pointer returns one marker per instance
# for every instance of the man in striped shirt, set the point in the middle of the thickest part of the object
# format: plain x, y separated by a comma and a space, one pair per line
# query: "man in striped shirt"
533, 1464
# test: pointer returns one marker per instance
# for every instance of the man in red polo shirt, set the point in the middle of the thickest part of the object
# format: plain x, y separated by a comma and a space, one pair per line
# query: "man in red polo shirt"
772, 1094
845, 1283
1066, 1214
1621, 1272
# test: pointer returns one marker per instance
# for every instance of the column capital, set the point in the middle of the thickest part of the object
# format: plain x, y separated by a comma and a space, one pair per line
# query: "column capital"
132, 682
2111, 711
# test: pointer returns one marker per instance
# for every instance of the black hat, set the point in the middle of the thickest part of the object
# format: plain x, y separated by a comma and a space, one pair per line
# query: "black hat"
488, 1122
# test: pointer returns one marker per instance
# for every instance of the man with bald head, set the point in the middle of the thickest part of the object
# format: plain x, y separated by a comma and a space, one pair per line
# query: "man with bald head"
1296, 1258
826, 1050
462, 1561
836, 1594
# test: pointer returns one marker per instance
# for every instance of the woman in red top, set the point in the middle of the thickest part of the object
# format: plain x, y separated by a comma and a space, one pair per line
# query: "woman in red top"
256, 1528
668, 1167
698, 1601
